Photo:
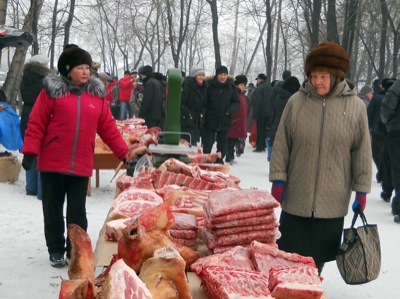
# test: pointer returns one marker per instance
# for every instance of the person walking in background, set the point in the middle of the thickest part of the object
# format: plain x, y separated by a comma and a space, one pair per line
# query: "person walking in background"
262, 99
238, 129
390, 116
283, 92
322, 153
61, 132
366, 94
107, 81
152, 108
31, 85
126, 85
193, 105
222, 101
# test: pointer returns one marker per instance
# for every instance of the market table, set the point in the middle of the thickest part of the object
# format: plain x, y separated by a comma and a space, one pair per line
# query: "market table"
104, 160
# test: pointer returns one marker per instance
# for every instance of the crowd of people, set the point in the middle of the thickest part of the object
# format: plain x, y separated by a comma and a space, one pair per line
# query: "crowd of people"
320, 137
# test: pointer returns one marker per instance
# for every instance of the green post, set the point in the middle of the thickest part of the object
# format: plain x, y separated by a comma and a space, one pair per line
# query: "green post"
173, 107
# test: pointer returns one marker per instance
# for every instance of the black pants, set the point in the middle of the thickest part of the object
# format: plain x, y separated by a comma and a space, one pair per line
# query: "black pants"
209, 137
261, 134
393, 141
230, 149
377, 142
54, 188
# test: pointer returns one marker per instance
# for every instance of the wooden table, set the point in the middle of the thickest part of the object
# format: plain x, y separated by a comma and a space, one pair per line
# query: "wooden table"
104, 160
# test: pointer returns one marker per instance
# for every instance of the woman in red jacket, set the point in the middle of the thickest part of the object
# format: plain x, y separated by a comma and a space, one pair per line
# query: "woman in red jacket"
61, 132
238, 129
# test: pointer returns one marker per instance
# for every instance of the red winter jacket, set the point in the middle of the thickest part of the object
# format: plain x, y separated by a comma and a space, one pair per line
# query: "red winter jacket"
238, 127
63, 124
125, 88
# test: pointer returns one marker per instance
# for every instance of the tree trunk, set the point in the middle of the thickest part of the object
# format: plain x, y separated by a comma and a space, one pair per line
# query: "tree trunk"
268, 54
315, 19
11, 85
385, 17
214, 14
331, 30
68, 23
3, 11
235, 44
349, 29
53, 34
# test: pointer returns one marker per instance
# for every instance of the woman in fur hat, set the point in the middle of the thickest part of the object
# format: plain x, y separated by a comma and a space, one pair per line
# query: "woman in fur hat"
193, 104
31, 85
61, 132
321, 153
238, 129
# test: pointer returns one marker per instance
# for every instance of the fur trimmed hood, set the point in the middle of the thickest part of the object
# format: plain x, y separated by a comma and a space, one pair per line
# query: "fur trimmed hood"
57, 87
37, 68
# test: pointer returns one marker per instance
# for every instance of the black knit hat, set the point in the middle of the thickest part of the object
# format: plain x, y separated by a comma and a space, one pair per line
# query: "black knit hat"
146, 70
329, 56
261, 77
240, 79
291, 84
221, 70
71, 58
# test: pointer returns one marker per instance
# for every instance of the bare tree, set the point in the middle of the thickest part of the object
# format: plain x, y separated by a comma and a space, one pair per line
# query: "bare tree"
214, 15
68, 23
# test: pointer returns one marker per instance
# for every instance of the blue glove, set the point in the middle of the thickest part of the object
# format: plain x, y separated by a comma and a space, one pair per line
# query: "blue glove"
277, 190
359, 203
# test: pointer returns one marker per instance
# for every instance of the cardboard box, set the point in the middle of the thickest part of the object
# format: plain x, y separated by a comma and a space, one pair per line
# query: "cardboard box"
10, 167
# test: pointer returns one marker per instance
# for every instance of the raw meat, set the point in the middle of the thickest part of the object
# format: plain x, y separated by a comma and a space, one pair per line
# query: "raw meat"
77, 288
123, 283
185, 242
266, 256
224, 168
239, 215
221, 283
204, 158
164, 275
187, 234
184, 222
166, 177
143, 235
254, 221
235, 258
134, 194
239, 229
129, 209
114, 229
228, 202
241, 238
294, 290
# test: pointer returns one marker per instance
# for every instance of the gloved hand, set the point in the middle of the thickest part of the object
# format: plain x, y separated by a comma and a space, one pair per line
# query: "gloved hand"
27, 161
277, 190
360, 202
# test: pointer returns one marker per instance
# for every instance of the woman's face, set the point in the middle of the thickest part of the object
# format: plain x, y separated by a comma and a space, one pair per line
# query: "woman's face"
222, 77
200, 78
241, 86
321, 81
80, 74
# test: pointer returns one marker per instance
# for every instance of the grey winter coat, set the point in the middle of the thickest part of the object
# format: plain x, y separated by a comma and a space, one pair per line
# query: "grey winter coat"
390, 109
322, 151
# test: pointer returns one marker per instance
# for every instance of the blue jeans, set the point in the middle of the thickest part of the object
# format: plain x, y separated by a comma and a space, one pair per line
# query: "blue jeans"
125, 108
33, 182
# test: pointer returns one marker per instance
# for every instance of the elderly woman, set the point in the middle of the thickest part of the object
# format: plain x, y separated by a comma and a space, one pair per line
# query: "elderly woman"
62, 127
321, 154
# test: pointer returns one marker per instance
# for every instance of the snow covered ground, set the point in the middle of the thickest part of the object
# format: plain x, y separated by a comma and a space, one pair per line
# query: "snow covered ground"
25, 271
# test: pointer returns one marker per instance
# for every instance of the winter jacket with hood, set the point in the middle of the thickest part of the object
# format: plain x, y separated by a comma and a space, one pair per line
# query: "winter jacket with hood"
390, 110
152, 106
222, 101
239, 120
322, 151
192, 104
125, 88
30, 87
63, 125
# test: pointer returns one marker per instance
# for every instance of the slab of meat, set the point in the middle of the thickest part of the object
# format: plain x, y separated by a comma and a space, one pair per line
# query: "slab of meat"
221, 283
143, 235
266, 257
184, 222
123, 283
187, 234
224, 168
164, 275
114, 229
238, 215
295, 275
177, 166
166, 177
236, 258
138, 195
76, 289
228, 202
132, 208
254, 221
125, 181
240, 229
223, 249
191, 243
213, 176
204, 158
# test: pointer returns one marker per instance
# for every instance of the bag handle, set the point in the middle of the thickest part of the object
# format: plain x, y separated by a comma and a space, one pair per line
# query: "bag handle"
363, 219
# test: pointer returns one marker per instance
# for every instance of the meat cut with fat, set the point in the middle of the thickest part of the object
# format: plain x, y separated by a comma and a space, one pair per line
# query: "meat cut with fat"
184, 222
240, 229
125, 181
254, 221
187, 234
239, 215
130, 209
135, 194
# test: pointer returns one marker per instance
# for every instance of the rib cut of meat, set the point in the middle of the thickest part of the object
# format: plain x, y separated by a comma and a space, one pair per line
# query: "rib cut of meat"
132, 208
125, 181
224, 168
231, 201
223, 283
134, 194
239, 215
123, 283
266, 257
240, 229
164, 275
235, 258
254, 221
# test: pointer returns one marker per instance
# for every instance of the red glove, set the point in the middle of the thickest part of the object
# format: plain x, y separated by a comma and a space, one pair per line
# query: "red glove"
278, 187
360, 202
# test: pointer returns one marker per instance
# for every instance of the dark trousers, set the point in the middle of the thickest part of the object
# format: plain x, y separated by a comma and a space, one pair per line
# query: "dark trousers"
230, 149
385, 169
377, 142
261, 134
209, 137
54, 188
394, 155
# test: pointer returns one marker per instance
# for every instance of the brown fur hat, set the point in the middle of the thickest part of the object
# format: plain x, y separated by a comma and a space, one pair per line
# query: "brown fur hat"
71, 58
329, 56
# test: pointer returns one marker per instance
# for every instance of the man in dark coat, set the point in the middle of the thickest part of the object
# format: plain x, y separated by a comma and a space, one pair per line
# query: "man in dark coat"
31, 85
262, 99
222, 101
152, 109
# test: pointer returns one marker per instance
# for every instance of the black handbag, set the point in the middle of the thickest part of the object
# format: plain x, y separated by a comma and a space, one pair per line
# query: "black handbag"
359, 256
